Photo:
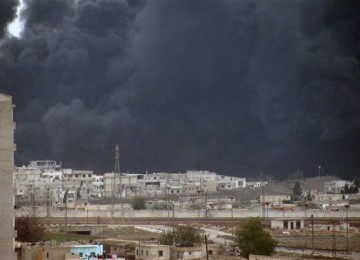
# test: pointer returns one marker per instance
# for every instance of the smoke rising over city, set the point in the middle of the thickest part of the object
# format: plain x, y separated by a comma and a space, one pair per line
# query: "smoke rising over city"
236, 87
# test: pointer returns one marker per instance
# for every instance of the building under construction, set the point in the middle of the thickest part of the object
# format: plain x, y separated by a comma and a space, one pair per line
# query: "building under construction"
7, 147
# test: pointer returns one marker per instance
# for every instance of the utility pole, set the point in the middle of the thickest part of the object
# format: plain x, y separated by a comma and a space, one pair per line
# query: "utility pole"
334, 238
305, 222
47, 202
33, 190
312, 233
206, 247
232, 216
263, 197
347, 227
167, 205
206, 202
66, 211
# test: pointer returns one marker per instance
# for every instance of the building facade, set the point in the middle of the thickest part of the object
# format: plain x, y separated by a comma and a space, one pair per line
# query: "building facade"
7, 147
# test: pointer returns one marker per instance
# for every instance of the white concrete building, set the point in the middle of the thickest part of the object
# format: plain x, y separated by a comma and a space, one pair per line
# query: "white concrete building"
45, 165
121, 184
336, 186
287, 224
230, 182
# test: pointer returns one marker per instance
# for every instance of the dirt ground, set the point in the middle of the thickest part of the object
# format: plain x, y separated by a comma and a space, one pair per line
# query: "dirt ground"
322, 240
127, 237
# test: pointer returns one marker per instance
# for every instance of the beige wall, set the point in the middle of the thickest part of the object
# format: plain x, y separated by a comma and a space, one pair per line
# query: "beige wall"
152, 252
47, 253
7, 168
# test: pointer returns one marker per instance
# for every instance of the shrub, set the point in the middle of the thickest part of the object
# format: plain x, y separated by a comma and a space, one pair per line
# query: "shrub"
30, 230
182, 236
138, 203
252, 239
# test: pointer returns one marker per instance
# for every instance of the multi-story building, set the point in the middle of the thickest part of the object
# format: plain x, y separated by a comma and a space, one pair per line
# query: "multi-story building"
46, 184
336, 186
97, 187
121, 184
45, 165
229, 182
7, 147
205, 180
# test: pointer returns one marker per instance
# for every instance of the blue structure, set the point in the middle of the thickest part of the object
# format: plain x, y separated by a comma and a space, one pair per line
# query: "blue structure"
87, 251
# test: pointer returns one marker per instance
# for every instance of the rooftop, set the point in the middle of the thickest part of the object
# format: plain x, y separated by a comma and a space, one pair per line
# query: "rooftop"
4, 97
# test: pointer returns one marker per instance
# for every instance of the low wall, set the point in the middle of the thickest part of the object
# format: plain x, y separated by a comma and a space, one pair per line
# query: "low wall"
105, 211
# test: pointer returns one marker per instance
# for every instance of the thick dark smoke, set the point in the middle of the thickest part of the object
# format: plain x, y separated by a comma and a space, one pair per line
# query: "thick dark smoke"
237, 87
7, 14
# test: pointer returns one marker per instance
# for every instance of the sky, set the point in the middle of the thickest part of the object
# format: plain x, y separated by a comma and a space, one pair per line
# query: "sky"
242, 88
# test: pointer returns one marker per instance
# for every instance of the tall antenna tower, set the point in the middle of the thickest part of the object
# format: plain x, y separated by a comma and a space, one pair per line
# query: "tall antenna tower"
117, 159
117, 182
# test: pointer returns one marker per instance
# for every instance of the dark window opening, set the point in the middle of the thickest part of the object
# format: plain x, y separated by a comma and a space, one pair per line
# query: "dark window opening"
285, 224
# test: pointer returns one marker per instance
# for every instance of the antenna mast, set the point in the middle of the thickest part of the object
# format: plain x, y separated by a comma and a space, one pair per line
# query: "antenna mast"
117, 182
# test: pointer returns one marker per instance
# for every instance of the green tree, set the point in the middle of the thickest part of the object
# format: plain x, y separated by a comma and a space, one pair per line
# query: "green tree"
182, 236
252, 239
30, 230
297, 191
138, 203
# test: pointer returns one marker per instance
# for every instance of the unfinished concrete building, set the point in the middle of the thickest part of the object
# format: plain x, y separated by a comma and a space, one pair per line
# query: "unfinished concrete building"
7, 147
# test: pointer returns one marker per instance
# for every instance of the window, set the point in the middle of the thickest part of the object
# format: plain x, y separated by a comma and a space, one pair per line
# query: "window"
298, 226
285, 224
210, 252
161, 253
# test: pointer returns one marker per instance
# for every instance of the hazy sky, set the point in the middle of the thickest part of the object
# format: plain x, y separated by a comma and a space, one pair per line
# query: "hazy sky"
236, 87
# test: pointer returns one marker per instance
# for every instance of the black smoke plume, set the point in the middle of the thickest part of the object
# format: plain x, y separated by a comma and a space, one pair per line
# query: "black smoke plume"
237, 87
7, 14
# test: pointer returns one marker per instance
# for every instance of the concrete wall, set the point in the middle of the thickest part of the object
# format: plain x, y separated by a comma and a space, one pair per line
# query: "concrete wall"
263, 257
104, 211
7, 147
